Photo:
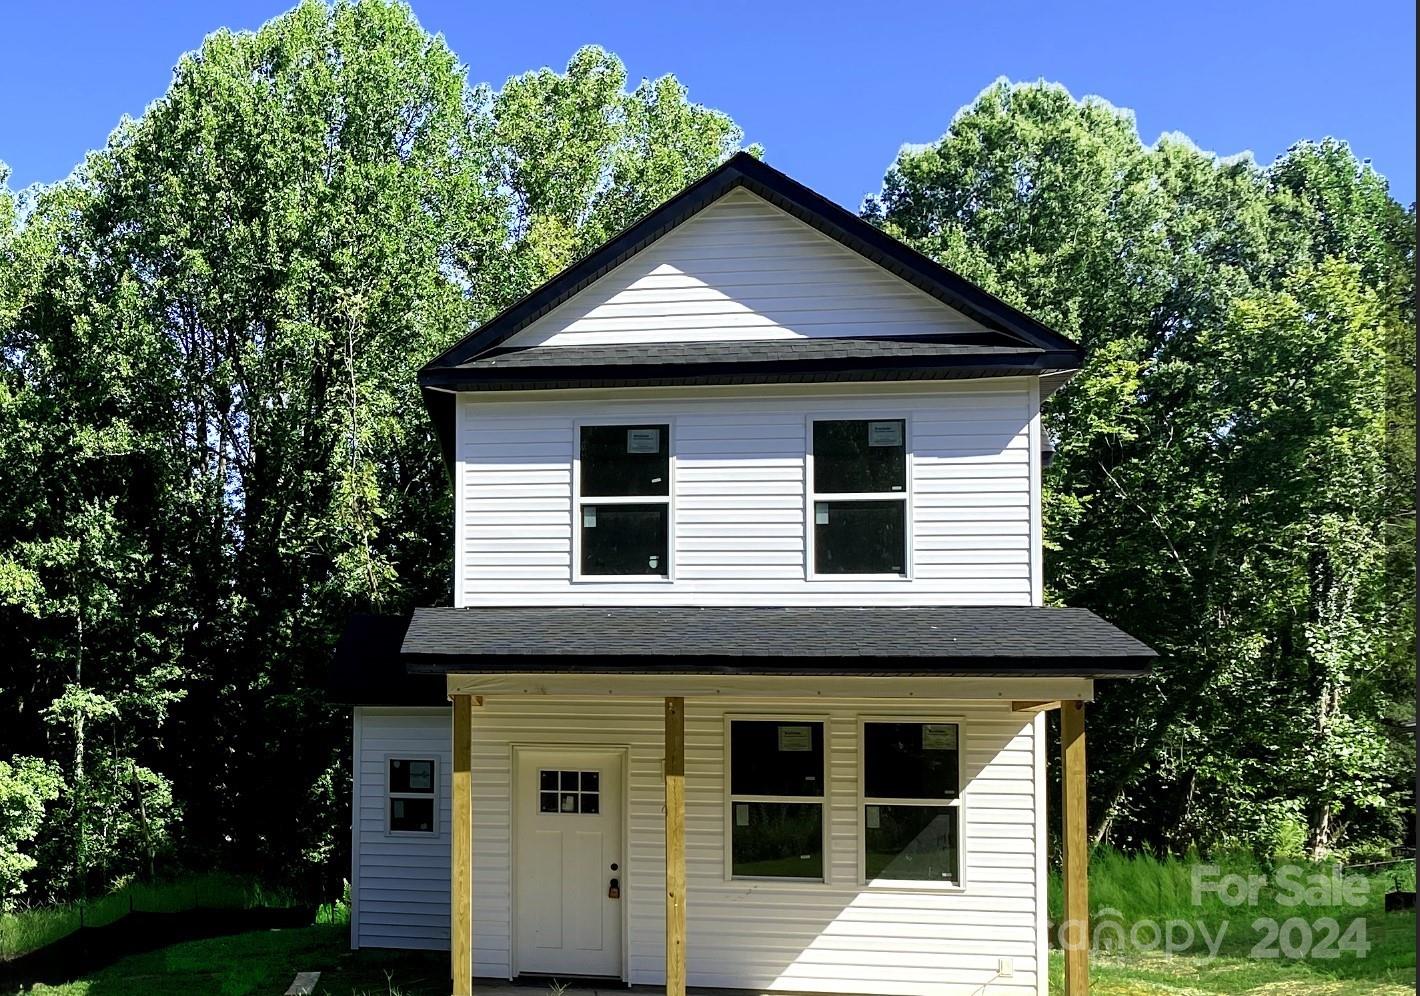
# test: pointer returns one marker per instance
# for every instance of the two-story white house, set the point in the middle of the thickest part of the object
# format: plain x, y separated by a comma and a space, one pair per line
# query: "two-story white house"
745, 680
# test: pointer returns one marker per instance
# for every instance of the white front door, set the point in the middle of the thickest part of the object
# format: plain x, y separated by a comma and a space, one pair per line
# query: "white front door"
568, 845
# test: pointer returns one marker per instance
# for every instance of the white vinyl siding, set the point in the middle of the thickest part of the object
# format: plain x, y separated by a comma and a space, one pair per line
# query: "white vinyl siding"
739, 494
400, 882
837, 936
743, 269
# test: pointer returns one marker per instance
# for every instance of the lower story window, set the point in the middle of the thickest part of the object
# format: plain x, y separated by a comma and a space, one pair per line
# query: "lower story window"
911, 843
777, 840
776, 799
413, 791
912, 802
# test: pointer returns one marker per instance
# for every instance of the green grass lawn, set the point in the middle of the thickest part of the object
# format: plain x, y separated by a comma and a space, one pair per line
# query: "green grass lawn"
1126, 889
1388, 969
264, 962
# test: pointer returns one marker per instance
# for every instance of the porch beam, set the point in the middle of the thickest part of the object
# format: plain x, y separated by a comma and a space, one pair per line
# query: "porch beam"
1075, 931
461, 850
1035, 706
675, 846
857, 688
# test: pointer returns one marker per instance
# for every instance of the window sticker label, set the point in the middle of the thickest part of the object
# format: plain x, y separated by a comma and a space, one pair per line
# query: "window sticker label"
741, 814
872, 818
796, 739
820, 515
589, 517
939, 736
643, 440
885, 433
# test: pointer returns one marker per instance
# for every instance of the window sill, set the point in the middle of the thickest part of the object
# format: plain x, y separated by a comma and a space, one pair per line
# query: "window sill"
621, 579
911, 885
879, 578
803, 884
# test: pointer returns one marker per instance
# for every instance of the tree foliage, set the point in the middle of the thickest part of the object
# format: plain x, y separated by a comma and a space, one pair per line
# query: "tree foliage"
1226, 485
212, 449
213, 445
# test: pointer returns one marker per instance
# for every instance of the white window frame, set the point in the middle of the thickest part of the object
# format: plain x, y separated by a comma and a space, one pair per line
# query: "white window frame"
730, 798
391, 795
865, 800
905, 496
667, 499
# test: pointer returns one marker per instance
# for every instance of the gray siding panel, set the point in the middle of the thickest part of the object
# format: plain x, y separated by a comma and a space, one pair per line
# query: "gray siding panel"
400, 883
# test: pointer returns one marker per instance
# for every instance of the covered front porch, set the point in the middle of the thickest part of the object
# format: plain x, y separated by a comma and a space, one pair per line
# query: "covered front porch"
842, 932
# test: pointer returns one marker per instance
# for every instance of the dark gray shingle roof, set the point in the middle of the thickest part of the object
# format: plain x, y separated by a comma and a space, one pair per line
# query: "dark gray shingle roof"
366, 668
753, 640
746, 351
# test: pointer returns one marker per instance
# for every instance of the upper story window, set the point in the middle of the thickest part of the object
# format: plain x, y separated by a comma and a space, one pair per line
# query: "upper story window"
859, 497
623, 501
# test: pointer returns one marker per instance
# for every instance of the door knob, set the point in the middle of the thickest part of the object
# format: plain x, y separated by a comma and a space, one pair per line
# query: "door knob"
613, 891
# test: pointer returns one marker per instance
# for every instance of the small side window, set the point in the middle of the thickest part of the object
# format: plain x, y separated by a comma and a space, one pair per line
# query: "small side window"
412, 804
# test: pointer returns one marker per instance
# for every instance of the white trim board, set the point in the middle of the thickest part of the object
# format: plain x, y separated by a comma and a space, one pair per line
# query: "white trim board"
800, 686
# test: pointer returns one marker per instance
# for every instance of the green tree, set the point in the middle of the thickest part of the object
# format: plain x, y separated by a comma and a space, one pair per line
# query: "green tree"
27, 784
1179, 273
214, 448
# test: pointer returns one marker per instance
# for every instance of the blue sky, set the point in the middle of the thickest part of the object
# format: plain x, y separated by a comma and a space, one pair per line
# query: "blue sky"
831, 90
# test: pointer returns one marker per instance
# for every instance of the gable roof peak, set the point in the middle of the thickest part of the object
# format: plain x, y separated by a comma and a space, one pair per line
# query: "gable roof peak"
787, 194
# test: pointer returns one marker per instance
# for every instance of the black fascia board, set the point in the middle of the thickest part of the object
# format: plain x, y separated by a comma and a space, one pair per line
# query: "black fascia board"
442, 409
741, 371
803, 203
712, 664
981, 365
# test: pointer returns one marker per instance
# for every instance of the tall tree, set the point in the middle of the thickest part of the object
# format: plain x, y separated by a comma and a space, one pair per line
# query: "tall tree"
1173, 268
212, 333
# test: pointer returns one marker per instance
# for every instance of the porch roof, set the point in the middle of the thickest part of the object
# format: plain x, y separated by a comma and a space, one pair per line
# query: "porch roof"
977, 641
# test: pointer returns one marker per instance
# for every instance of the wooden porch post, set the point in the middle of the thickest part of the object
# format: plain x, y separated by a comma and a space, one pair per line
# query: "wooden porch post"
675, 847
461, 855
1075, 933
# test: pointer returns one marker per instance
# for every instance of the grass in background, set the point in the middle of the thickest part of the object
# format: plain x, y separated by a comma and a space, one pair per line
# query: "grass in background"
1137, 887
1128, 889
29, 930
264, 962
259, 961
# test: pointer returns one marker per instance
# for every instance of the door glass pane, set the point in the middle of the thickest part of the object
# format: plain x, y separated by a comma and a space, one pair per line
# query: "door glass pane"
777, 839
860, 457
625, 460
911, 761
776, 758
911, 843
860, 537
624, 539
